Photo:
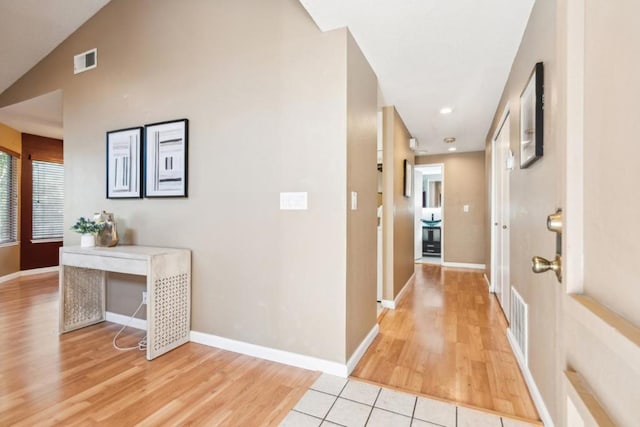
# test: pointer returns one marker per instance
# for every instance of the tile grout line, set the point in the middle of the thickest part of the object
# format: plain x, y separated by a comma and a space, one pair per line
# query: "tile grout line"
308, 415
373, 406
334, 402
413, 413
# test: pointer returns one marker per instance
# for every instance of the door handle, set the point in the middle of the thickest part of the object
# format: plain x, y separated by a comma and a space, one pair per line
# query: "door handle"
504, 227
540, 265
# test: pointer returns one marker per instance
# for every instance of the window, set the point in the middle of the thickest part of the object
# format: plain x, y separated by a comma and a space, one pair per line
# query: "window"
48, 200
8, 198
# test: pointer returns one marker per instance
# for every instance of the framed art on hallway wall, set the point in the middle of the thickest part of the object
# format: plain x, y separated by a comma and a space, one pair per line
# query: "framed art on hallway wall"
166, 159
531, 118
408, 175
124, 163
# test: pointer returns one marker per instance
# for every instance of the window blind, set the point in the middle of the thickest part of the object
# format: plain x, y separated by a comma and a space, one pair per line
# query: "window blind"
8, 198
48, 200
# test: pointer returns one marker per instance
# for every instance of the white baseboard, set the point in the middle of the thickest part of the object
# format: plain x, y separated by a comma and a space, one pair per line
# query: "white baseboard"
121, 319
463, 265
393, 304
362, 348
40, 271
9, 277
272, 354
24, 273
531, 384
385, 303
486, 279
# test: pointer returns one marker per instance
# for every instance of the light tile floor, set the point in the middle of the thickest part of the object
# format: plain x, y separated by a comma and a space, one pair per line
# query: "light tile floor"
335, 401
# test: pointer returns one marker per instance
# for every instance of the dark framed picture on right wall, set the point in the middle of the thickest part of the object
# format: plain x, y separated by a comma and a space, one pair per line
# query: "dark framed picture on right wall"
531, 118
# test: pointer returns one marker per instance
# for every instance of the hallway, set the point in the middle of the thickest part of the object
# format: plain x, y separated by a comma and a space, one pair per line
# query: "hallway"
446, 339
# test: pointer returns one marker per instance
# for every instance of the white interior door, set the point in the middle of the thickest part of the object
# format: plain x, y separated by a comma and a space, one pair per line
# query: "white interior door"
500, 215
505, 281
417, 180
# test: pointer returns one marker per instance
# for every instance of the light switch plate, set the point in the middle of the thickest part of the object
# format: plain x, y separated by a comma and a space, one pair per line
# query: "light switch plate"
294, 201
354, 200
465, 208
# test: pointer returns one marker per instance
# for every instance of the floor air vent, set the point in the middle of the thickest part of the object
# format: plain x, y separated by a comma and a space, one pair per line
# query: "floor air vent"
518, 327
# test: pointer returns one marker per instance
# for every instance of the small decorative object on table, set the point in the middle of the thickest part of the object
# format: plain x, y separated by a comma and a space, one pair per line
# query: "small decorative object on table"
88, 229
108, 235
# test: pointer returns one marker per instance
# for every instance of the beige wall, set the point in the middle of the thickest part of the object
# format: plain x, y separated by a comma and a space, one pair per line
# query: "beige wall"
557, 340
362, 178
397, 215
464, 184
10, 254
265, 91
534, 193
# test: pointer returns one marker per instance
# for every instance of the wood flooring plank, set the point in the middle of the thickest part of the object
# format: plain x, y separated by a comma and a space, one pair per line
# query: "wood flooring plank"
447, 339
79, 379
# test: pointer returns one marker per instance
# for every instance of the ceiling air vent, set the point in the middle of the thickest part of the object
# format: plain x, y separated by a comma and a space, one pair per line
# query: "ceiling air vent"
85, 61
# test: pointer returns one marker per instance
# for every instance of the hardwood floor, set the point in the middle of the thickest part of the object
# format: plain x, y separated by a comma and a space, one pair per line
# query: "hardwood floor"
446, 339
79, 379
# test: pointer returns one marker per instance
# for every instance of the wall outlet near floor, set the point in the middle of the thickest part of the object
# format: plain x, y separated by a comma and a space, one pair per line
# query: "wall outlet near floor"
465, 208
144, 297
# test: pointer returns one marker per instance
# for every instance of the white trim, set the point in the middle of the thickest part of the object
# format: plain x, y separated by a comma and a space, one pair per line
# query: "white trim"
9, 244
54, 240
121, 319
463, 265
43, 270
393, 304
486, 279
574, 207
272, 354
22, 273
385, 303
10, 276
531, 384
362, 348
611, 335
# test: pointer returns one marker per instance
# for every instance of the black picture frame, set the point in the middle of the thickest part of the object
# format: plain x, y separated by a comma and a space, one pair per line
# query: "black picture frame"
124, 163
407, 179
532, 118
166, 165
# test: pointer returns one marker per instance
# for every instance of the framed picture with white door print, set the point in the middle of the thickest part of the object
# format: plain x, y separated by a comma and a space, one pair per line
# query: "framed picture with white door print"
124, 163
531, 118
166, 161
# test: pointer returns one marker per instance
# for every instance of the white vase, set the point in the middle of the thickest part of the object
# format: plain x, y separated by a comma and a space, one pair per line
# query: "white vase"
87, 241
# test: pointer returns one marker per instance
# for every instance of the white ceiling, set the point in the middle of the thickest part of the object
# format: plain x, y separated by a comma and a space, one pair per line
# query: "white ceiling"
430, 54
427, 54
29, 30
38, 116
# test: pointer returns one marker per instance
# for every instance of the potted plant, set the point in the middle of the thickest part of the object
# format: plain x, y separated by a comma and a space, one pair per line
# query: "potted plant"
88, 229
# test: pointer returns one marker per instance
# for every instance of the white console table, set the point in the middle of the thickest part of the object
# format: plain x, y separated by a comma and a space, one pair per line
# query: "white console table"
83, 278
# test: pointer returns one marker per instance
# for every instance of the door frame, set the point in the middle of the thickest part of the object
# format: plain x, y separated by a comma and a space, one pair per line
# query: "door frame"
442, 210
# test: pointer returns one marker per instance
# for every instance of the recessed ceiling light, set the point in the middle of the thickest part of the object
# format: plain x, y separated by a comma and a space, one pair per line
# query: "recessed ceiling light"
446, 110
449, 140
452, 148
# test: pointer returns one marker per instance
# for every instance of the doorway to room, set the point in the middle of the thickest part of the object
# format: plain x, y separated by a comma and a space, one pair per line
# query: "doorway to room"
429, 213
40, 177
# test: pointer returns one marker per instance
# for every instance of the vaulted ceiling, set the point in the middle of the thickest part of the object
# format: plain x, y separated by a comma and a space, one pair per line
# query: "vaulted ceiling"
427, 54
